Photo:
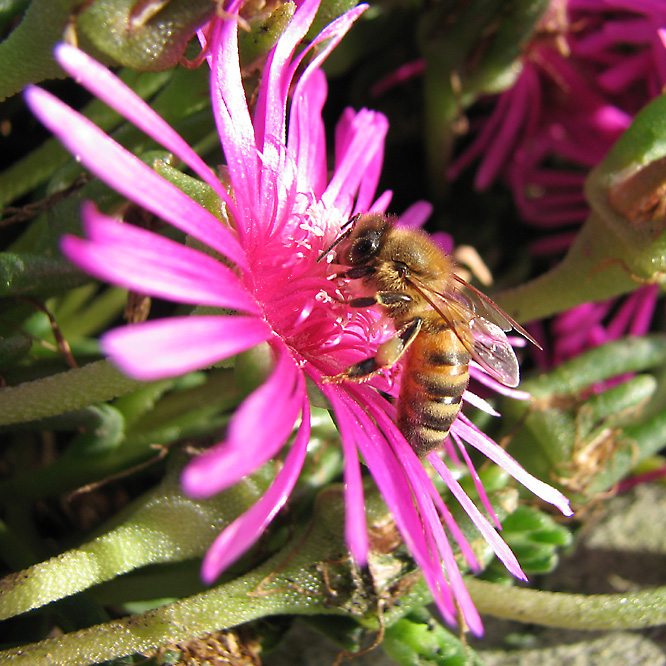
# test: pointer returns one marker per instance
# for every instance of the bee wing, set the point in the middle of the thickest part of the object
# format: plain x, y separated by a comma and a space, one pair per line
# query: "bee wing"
493, 352
487, 342
483, 306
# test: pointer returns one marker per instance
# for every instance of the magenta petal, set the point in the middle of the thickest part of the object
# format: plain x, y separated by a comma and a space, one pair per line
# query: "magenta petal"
127, 174
271, 104
397, 488
479, 403
423, 491
495, 453
233, 120
356, 530
257, 431
483, 495
416, 215
325, 42
170, 347
394, 487
246, 529
488, 532
306, 144
357, 144
380, 204
130, 257
450, 523
110, 89
426, 524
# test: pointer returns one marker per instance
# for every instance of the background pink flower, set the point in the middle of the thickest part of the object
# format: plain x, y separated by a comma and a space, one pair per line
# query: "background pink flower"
590, 67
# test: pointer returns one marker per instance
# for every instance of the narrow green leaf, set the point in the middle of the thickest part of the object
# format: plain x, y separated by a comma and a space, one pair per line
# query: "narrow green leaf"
165, 526
147, 36
28, 60
64, 392
36, 276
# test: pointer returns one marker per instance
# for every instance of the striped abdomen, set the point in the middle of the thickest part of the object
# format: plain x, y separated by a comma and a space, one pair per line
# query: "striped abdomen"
435, 376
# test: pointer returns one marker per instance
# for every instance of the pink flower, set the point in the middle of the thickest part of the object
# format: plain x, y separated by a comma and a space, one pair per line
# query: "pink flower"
573, 98
280, 210
592, 324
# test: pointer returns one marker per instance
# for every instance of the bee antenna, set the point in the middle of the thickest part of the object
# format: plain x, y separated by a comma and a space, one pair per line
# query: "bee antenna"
345, 230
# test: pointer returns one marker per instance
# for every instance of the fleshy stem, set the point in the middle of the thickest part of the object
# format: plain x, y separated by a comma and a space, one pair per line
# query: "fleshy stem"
593, 270
573, 611
301, 590
307, 577
165, 527
236, 602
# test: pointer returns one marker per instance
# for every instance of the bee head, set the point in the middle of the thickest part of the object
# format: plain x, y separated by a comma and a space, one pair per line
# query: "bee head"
361, 241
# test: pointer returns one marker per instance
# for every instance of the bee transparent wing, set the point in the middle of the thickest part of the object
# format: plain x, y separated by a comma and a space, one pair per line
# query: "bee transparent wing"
486, 341
483, 306
493, 352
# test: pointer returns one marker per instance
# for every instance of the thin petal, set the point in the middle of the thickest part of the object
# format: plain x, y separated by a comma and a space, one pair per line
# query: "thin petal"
421, 485
246, 529
357, 143
488, 532
397, 490
130, 257
272, 100
356, 530
380, 204
491, 450
451, 524
234, 124
127, 174
479, 403
170, 347
478, 484
325, 42
306, 145
110, 89
416, 215
258, 430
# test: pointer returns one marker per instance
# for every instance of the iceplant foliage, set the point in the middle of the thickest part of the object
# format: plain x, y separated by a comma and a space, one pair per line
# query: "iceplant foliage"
281, 208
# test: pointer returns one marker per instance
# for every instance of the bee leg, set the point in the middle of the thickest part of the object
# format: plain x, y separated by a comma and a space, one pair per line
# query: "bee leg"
388, 354
390, 298
362, 302
387, 298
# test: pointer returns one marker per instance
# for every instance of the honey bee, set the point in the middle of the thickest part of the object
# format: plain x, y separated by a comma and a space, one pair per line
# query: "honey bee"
441, 323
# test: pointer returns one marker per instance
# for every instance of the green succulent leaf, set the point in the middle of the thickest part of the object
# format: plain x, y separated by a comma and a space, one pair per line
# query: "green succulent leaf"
36, 276
147, 35
28, 60
264, 31
63, 392
165, 526
419, 640
587, 436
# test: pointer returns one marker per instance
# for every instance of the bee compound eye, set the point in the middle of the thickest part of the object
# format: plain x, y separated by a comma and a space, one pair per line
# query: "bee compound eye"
365, 247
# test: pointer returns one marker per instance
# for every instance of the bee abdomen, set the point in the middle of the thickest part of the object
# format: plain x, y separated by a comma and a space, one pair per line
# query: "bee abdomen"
433, 382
